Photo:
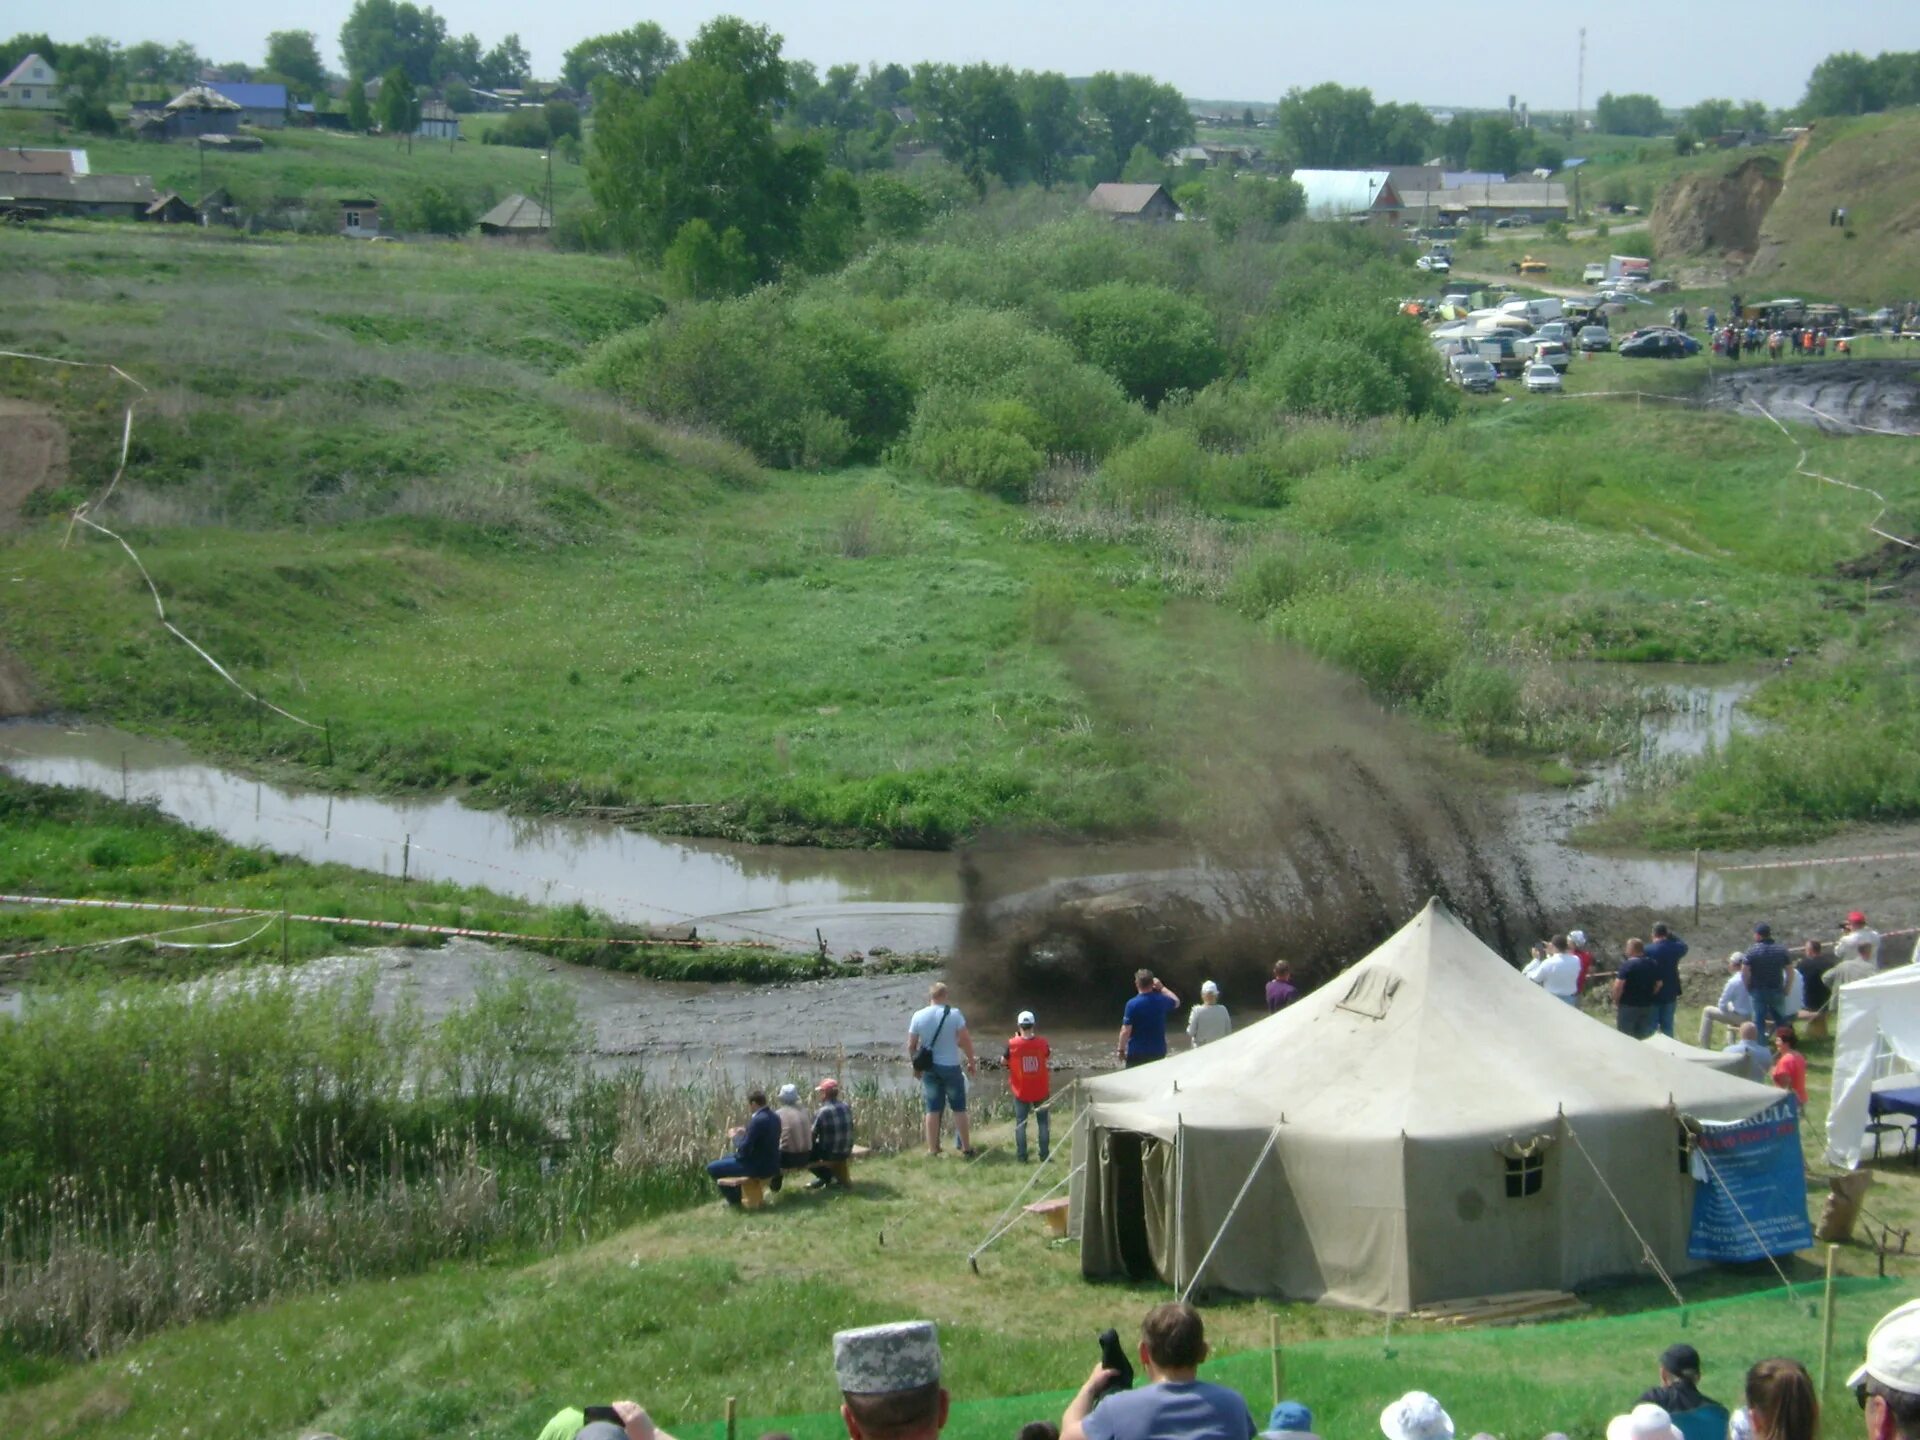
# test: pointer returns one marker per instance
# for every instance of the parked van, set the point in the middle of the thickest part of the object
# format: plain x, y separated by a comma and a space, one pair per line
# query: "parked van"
1502, 352
1538, 312
1596, 270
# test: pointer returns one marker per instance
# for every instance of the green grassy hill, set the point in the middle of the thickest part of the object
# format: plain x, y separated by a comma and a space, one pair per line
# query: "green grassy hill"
299, 162
1870, 165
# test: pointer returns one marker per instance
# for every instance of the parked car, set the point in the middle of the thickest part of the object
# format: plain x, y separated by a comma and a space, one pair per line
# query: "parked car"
1436, 264
1596, 270
1512, 222
1595, 338
1661, 286
1472, 374
1555, 330
1551, 352
1502, 351
1541, 378
1659, 345
1530, 266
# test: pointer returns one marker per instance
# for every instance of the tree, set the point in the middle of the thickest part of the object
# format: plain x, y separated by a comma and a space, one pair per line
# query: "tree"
700, 265
359, 118
380, 35
1231, 204
1841, 84
1710, 118
507, 64
1456, 140
1496, 146
638, 57
1128, 110
296, 55
1629, 115
976, 119
151, 63
1327, 127
1150, 339
459, 56
1754, 115
399, 105
702, 146
1402, 135
893, 209
1054, 130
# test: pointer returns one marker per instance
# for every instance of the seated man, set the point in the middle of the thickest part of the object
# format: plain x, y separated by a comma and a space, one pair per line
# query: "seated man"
832, 1132
1290, 1420
1678, 1393
1755, 1058
1176, 1406
1735, 1007
889, 1378
756, 1149
796, 1130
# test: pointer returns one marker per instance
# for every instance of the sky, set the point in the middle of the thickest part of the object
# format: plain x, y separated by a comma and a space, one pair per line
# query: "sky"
1463, 52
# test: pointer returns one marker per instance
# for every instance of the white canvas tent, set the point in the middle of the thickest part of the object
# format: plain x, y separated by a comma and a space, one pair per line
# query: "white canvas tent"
1426, 1126
1879, 1019
1694, 1055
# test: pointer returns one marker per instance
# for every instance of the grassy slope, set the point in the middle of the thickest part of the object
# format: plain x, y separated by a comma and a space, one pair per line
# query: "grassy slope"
687, 1310
1868, 165
299, 162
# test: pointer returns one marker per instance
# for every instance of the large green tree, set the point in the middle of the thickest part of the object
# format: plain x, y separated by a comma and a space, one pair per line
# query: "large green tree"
380, 35
702, 146
398, 108
637, 56
1629, 115
506, 64
1054, 129
1128, 110
295, 54
974, 114
1327, 127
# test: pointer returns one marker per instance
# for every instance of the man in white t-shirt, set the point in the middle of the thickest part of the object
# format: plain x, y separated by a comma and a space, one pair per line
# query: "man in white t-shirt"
1735, 1007
1557, 971
940, 1029
1208, 1021
1861, 939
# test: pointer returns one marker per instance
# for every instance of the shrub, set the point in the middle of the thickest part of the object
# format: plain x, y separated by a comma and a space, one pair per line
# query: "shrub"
1148, 338
1480, 699
1394, 638
1164, 469
894, 209
700, 265
1347, 361
1281, 568
979, 459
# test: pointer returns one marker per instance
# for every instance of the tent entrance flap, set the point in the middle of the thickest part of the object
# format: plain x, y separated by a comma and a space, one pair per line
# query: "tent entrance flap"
1125, 1177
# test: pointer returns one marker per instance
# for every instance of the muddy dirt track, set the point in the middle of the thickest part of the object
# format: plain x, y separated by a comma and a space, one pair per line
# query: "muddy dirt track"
1842, 397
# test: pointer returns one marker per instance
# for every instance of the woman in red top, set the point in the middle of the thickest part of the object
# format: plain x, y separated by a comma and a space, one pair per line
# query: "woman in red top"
1790, 1070
1031, 1083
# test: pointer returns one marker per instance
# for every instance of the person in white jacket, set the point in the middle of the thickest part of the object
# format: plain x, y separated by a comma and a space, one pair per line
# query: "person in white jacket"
1556, 969
1735, 1007
1208, 1021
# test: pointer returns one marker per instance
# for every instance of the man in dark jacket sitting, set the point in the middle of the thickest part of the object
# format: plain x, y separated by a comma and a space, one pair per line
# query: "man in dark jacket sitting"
756, 1149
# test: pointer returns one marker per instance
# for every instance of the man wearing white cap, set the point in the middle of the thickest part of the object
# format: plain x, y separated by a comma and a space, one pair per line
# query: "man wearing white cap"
889, 1377
1208, 1021
1888, 1385
1030, 1077
1416, 1415
1644, 1422
796, 1129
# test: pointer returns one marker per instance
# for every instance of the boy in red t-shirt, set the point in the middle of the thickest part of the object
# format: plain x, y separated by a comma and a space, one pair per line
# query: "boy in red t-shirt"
1790, 1070
1032, 1085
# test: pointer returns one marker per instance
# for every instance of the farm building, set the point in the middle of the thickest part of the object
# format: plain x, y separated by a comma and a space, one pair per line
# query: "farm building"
102, 196
43, 162
437, 121
359, 219
1133, 202
260, 105
33, 84
1362, 195
170, 209
193, 112
516, 218
1491, 201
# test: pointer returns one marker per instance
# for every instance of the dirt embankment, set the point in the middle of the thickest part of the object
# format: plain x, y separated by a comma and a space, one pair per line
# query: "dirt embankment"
1842, 397
1717, 214
33, 453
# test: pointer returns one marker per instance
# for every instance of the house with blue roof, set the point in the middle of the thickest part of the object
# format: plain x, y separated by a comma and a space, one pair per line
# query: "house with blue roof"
261, 105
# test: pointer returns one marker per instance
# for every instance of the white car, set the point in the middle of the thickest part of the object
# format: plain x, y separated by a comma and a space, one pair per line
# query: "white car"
1437, 264
1595, 271
1541, 377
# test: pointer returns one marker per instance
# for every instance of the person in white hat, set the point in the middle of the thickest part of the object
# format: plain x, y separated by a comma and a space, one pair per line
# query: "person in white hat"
889, 1378
1644, 1422
1416, 1415
796, 1130
1030, 1077
1888, 1385
1208, 1021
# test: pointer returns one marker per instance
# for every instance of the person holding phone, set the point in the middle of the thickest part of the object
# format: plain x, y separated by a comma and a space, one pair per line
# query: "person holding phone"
1143, 1024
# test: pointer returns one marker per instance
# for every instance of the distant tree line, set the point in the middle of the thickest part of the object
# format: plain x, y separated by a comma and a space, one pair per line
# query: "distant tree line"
1336, 127
1850, 84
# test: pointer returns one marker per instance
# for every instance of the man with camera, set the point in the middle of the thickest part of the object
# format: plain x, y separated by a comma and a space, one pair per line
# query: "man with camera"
1176, 1406
937, 1039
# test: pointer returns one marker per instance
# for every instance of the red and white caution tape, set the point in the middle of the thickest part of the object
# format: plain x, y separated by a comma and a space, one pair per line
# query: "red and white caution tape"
153, 936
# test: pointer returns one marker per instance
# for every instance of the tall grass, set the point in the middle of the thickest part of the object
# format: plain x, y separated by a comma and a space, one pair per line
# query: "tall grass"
174, 1152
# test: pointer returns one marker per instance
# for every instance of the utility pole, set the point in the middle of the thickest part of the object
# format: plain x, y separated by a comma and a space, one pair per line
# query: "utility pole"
1580, 85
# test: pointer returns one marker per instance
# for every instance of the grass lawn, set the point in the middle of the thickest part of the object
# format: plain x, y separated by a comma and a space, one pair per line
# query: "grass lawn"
687, 1310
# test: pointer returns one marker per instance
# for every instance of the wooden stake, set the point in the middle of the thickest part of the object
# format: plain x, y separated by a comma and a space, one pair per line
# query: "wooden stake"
123, 777
733, 1417
406, 858
1279, 1363
1826, 1322
1696, 888
283, 935
326, 729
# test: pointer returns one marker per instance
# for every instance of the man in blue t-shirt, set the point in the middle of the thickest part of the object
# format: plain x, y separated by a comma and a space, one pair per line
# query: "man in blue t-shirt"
1143, 1024
1176, 1406
1764, 967
1666, 951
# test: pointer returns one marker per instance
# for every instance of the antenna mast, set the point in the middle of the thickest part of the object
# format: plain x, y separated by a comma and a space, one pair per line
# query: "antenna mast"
1580, 85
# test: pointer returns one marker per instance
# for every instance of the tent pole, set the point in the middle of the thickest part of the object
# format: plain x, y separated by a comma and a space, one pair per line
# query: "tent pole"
1232, 1210
1826, 1322
1179, 1194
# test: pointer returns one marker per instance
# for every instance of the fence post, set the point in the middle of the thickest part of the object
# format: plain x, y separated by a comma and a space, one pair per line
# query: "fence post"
1696, 887
1279, 1364
406, 858
733, 1417
1826, 1323
123, 777
326, 729
283, 935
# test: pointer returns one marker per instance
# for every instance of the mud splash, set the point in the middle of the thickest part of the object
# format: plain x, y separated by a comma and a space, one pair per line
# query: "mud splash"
1841, 397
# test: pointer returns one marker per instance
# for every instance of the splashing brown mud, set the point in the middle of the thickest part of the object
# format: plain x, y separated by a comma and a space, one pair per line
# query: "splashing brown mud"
1313, 823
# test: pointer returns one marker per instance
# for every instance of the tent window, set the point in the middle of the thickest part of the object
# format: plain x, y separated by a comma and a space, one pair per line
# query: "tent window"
1685, 1147
1525, 1174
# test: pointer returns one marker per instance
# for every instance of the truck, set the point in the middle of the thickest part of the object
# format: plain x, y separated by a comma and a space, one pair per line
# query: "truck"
1629, 268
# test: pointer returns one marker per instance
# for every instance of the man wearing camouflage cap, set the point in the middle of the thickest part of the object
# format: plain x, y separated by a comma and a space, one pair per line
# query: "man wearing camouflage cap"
1888, 1385
889, 1379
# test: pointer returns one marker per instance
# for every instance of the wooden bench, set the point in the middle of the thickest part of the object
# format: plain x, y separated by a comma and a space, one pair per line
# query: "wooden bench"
1054, 1212
753, 1191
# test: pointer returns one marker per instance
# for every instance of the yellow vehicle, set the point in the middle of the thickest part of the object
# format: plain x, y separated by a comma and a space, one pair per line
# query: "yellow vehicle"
1531, 266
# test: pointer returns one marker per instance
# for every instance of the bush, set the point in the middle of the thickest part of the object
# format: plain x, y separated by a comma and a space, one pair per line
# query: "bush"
1165, 469
432, 210
1283, 567
894, 210
1481, 700
1394, 638
1148, 338
1345, 361
534, 127
979, 459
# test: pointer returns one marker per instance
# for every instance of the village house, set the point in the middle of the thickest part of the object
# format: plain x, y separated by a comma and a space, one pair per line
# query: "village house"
437, 121
1365, 196
359, 219
193, 112
100, 196
516, 218
1537, 200
263, 106
170, 209
33, 84
1133, 202
21, 161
